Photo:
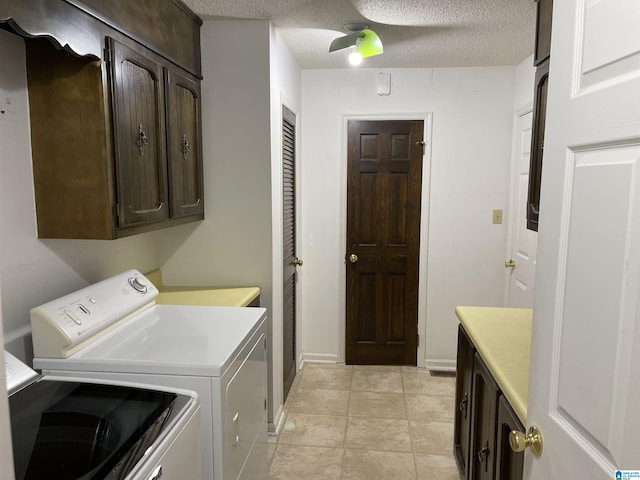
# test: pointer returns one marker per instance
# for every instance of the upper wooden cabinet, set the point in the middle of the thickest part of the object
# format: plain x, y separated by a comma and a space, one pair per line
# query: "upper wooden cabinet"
184, 147
541, 62
139, 136
115, 129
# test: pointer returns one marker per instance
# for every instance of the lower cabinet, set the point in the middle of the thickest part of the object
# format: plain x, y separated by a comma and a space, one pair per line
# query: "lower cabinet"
483, 421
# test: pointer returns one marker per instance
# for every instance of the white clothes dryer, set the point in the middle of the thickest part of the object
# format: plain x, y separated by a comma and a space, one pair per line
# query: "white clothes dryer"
113, 330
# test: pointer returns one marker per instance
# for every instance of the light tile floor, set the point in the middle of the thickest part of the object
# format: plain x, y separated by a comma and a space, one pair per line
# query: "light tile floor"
348, 422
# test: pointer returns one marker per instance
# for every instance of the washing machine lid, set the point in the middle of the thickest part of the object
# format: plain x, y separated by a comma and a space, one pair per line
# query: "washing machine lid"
68, 430
182, 340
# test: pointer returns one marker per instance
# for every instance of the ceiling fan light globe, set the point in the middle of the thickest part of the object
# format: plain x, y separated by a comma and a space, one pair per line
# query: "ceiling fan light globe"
355, 58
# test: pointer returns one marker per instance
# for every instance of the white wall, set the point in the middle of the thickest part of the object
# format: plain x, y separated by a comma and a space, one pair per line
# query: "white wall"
35, 271
469, 177
248, 72
525, 80
232, 246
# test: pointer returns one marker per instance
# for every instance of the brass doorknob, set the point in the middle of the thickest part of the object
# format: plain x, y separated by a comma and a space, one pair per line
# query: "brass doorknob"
510, 264
353, 258
297, 262
533, 439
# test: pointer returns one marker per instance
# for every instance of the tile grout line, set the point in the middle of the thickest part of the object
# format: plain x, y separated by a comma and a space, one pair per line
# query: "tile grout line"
404, 396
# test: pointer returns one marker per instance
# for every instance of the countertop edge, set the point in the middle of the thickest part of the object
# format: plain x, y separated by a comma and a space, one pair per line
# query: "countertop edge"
488, 328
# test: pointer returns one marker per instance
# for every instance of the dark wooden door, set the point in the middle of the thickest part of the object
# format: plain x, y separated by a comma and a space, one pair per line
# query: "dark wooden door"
138, 94
184, 148
383, 236
289, 248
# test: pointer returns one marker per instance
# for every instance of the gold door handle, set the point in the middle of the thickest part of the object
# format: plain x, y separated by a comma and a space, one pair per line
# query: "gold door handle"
533, 439
353, 258
297, 262
510, 264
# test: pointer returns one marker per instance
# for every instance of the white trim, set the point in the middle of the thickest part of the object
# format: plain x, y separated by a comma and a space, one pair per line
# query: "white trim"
318, 358
523, 110
276, 427
427, 118
441, 364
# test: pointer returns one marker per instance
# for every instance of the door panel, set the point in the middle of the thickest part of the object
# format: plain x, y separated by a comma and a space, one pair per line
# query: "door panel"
184, 147
586, 336
137, 86
383, 224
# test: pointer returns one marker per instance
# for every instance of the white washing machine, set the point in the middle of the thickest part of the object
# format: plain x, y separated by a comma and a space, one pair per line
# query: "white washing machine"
114, 330
72, 428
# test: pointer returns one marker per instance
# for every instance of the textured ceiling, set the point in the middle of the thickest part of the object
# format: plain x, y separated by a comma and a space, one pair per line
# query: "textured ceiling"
415, 33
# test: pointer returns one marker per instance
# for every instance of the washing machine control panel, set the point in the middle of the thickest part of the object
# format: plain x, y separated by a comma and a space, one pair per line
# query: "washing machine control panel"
62, 326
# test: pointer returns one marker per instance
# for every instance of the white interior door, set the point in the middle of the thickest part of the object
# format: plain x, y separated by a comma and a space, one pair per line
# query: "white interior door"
584, 388
521, 282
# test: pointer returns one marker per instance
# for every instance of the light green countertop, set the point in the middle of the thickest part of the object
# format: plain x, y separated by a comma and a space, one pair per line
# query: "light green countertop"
502, 337
216, 296
196, 295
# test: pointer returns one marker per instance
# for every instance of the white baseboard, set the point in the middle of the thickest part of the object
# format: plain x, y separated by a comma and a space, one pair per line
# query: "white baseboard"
318, 358
275, 428
441, 365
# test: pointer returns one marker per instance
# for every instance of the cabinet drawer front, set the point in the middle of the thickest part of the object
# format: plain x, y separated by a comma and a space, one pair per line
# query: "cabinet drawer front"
138, 107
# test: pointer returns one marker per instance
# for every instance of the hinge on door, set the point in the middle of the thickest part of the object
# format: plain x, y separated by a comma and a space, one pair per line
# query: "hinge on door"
107, 55
265, 403
418, 341
116, 211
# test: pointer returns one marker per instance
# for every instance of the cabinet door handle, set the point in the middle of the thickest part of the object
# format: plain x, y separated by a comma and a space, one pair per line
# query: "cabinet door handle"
483, 456
142, 140
463, 404
186, 148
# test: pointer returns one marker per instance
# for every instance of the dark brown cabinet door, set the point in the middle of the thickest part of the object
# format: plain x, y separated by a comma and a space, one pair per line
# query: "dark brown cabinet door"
509, 464
541, 61
184, 149
537, 146
464, 381
482, 455
383, 237
543, 31
138, 104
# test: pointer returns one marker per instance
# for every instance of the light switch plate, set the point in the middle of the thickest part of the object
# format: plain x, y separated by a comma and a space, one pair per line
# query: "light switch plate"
497, 216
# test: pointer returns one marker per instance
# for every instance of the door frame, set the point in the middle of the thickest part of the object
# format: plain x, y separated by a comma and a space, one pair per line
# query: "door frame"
424, 224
